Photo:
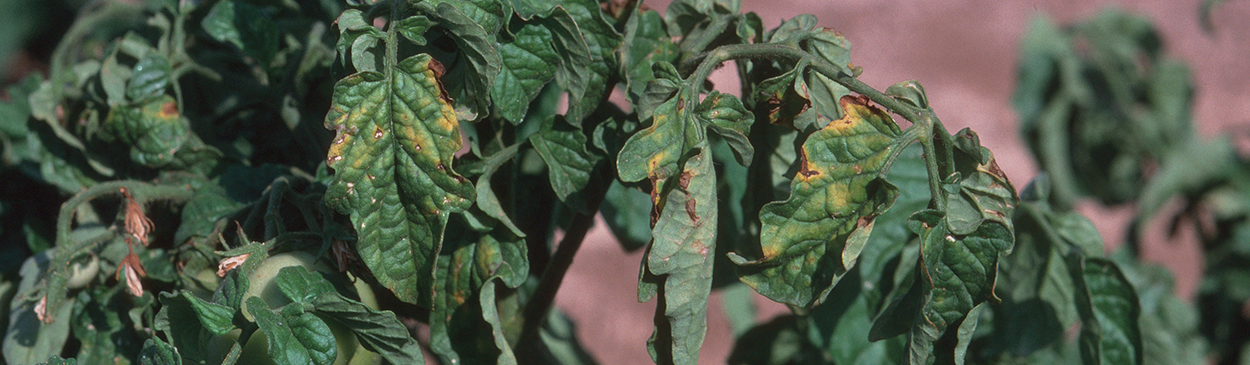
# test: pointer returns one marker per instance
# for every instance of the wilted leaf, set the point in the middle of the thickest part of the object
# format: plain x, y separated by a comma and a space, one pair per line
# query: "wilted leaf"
378, 331
392, 155
683, 240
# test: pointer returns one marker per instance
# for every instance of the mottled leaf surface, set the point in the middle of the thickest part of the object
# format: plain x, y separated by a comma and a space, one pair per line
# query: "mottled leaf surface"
295, 337
811, 239
392, 154
569, 164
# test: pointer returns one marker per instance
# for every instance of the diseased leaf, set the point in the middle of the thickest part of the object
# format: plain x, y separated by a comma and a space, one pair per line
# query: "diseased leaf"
810, 240
802, 32
958, 273
726, 116
569, 165
294, 338
392, 153
679, 260
1109, 311
157, 135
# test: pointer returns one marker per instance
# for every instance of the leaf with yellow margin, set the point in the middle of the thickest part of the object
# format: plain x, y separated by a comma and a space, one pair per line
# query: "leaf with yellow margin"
811, 239
392, 155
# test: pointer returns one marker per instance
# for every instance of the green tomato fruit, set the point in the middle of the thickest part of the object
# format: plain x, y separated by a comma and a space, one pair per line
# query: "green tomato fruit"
261, 284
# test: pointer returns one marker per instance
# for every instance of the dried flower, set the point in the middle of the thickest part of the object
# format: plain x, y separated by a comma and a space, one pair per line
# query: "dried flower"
230, 263
41, 310
133, 269
137, 224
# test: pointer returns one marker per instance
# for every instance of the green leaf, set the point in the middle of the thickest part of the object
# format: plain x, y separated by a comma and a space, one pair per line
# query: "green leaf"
889, 231
244, 25
527, 66
357, 36
394, 145
476, 46
569, 165
487, 201
158, 352
491, 315
810, 240
840, 328
1109, 311
215, 318
378, 331
15, 113
910, 92
490, 14
294, 338
967, 327
646, 43
414, 27
726, 116
150, 77
680, 258
958, 273
470, 262
57, 360
602, 41
627, 212
300, 285
183, 327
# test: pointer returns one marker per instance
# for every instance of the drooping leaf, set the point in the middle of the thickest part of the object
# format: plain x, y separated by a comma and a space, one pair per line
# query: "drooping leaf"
476, 46
802, 32
810, 240
395, 140
487, 201
489, 14
602, 41
654, 152
958, 273
215, 318
569, 164
1109, 311
296, 337
378, 331
679, 260
459, 332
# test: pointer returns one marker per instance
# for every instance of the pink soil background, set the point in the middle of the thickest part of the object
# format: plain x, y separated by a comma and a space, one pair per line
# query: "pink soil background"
964, 53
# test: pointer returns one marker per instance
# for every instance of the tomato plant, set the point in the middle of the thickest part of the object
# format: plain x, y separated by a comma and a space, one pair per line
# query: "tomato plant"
317, 182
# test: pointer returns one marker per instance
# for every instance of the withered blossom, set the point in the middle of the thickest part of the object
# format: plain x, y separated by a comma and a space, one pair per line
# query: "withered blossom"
230, 263
138, 224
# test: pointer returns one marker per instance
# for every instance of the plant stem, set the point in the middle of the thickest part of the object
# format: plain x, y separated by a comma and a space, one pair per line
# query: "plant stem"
66, 250
539, 305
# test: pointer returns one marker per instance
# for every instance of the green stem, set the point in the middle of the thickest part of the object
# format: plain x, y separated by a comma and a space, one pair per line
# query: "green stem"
922, 119
66, 250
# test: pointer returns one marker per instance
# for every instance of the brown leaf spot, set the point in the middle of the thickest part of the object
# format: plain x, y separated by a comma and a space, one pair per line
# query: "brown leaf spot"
169, 110
690, 211
377, 133
684, 180
805, 168
441, 167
